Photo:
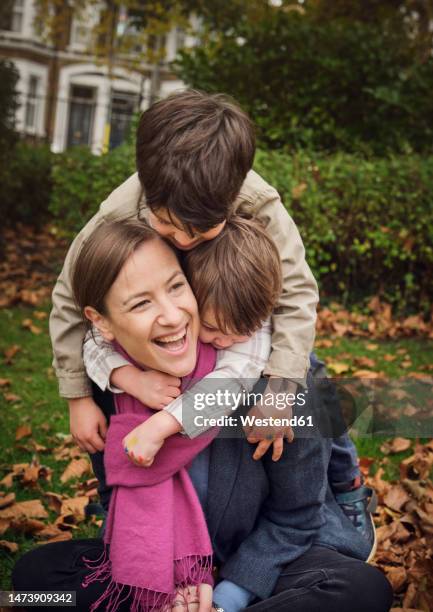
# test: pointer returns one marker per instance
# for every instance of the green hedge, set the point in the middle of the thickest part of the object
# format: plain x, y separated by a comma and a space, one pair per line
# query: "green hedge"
81, 181
25, 185
320, 84
367, 224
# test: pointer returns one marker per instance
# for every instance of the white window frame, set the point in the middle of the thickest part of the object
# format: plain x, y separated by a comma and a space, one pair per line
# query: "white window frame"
27, 68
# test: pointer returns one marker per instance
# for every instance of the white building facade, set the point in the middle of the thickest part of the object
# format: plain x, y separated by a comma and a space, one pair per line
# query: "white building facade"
66, 98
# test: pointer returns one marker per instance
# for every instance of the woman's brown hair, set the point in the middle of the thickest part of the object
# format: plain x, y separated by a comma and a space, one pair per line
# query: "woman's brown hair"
238, 274
102, 257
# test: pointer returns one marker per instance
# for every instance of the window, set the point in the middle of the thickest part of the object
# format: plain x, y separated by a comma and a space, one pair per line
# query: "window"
81, 112
180, 38
13, 16
123, 106
32, 103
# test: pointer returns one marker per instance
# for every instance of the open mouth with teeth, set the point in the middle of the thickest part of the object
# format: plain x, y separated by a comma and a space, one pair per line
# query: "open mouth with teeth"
174, 343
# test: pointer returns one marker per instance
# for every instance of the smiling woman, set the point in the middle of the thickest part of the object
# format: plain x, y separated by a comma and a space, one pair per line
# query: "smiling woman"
129, 284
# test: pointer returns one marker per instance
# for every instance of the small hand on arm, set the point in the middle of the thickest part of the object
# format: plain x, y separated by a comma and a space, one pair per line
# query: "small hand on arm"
88, 424
272, 434
143, 442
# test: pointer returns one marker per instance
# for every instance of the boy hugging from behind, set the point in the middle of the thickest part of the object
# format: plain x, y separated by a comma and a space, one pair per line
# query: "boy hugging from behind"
194, 156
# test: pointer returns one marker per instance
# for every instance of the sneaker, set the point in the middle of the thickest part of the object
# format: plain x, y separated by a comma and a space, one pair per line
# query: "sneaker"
359, 505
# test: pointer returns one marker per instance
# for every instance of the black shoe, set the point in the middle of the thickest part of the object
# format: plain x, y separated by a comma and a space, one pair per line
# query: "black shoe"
359, 505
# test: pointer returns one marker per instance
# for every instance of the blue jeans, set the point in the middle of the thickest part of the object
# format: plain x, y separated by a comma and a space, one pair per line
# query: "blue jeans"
343, 465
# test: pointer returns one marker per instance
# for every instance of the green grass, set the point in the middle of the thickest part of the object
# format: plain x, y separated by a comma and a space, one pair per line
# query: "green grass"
33, 380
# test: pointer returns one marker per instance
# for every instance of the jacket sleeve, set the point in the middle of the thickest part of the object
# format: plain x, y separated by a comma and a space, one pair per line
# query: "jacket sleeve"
67, 329
290, 516
294, 318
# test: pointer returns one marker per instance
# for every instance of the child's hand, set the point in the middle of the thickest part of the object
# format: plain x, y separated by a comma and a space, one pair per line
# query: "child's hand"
267, 435
193, 599
143, 442
153, 389
87, 423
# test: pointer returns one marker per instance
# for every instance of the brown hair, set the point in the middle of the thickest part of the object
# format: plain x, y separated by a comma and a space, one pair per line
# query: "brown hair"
238, 274
193, 153
102, 257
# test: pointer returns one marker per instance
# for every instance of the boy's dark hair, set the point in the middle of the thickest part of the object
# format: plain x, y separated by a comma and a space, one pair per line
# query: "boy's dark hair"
238, 274
193, 153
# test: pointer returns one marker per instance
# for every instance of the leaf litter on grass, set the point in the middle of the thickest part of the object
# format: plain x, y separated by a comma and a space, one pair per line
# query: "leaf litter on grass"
404, 521
51, 516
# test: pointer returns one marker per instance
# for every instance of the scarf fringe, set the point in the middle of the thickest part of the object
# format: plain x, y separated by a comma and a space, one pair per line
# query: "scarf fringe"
188, 571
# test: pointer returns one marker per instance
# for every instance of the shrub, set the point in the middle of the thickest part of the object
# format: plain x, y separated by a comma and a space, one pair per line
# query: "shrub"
25, 178
367, 224
81, 181
328, 85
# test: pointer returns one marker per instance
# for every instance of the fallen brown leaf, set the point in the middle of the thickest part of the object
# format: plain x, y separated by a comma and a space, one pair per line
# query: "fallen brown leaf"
371, 347
11, 397
338, 367
4, 525
76, 469
49, 531
23, 431
396, 498
10, 353
27, 526
40, 315
7, 500
5, 382
396, 445
75, 506
61, 537
397, 577
31, 509
7, 481
11, 547
54, 501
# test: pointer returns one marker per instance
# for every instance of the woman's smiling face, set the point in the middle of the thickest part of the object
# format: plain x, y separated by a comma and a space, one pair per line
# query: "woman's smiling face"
152, 312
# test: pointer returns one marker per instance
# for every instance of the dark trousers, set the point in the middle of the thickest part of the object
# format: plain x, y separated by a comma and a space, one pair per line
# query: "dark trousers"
322, 580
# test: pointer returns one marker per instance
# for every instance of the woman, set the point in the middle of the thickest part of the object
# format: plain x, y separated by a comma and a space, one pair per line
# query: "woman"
292, 549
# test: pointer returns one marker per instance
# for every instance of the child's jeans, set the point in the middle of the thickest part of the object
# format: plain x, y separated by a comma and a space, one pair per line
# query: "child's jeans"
343, 464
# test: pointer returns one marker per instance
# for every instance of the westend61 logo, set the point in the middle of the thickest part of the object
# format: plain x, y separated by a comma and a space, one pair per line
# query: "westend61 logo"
280, 401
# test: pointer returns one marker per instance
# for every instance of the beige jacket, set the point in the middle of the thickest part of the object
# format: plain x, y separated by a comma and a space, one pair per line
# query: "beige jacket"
293, 320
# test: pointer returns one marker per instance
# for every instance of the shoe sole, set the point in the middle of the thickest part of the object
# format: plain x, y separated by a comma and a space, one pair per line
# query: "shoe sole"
374, 547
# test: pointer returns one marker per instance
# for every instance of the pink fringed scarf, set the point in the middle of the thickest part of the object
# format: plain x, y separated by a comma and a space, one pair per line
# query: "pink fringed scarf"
156, 531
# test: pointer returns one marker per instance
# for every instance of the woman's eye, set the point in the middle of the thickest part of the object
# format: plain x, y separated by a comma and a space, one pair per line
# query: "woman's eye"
140, 304
178, 285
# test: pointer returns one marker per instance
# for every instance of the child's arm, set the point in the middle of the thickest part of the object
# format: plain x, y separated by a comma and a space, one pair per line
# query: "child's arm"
143, 442
237, 369
110, 370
